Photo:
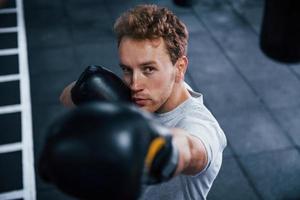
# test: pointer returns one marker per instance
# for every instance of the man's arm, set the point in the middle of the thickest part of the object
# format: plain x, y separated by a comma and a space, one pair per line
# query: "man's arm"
192, 153
65, 97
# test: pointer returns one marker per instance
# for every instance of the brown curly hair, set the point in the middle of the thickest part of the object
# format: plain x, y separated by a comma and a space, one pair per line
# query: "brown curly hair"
152, 22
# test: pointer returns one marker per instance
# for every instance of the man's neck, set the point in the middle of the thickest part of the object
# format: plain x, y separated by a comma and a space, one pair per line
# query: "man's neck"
178, 96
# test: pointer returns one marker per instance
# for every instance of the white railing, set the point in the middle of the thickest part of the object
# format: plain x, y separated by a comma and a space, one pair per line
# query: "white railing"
28, 192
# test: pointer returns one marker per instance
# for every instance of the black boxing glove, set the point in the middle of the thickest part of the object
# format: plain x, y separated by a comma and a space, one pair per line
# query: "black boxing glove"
98, 147
97, 83
96, 150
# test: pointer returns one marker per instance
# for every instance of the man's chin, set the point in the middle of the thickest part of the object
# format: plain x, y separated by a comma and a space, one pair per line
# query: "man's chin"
147, 108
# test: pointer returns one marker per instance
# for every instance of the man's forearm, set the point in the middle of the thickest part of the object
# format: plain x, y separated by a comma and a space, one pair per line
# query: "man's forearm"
65, 97
192, 153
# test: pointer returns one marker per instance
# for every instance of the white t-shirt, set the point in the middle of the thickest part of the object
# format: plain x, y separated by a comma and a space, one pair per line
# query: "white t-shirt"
196, 119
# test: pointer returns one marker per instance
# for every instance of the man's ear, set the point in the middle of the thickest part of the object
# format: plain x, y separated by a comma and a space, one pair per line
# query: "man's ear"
181, 67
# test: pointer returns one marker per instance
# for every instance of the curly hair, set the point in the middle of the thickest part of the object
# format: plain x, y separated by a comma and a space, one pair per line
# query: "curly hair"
152, 22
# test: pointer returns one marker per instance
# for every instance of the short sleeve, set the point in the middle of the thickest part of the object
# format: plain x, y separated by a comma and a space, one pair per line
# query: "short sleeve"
205, 127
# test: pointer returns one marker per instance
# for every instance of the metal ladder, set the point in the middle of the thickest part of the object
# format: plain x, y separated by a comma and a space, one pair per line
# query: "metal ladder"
25, 146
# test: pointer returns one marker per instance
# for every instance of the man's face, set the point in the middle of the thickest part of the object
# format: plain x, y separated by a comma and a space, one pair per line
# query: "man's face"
149, 73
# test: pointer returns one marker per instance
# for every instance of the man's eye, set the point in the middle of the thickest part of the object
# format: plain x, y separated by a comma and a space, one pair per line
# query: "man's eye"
125, 70
149, 70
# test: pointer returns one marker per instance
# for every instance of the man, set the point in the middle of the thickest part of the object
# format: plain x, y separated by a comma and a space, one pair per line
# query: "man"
152, 44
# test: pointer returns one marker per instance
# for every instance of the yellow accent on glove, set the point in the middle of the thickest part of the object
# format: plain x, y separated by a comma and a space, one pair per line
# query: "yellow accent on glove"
155, 146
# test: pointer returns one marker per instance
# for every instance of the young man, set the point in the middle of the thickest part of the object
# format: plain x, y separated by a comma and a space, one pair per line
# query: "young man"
152, 45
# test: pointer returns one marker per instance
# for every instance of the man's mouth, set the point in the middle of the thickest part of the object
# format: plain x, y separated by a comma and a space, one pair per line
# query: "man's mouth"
140, 101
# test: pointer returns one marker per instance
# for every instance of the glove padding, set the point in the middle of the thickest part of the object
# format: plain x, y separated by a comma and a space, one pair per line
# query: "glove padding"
97, 148
97, 83
94, 151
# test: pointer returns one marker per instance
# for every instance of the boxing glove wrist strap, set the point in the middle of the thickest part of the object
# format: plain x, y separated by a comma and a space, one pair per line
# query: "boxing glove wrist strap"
171, 166
161, 160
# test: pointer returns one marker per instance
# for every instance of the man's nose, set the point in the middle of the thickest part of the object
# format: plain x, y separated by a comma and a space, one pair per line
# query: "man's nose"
136, 83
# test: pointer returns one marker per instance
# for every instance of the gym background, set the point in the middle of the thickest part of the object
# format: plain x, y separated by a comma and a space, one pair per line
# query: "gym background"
252, 89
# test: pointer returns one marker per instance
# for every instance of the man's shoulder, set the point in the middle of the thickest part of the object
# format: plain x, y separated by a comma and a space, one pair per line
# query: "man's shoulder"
198, 120
195, 109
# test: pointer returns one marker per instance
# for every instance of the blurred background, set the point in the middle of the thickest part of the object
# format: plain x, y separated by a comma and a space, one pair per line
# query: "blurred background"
44, 45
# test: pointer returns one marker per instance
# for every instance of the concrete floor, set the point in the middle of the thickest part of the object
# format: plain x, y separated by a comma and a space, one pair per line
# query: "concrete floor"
255, 99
